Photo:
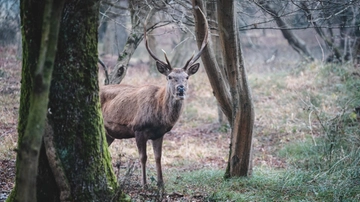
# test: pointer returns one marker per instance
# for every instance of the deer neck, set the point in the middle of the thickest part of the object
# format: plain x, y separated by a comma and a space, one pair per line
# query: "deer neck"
172, 107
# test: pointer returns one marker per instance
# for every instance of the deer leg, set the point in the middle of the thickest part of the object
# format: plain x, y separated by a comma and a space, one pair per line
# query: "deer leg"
141, 145
157, 147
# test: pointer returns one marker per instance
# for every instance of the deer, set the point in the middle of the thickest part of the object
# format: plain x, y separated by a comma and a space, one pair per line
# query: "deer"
148, 112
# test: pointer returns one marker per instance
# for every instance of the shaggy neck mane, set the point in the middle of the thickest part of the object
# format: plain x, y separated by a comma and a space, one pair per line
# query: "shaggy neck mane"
171, 107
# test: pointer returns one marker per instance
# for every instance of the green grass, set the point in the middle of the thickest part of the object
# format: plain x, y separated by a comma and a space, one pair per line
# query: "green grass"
323, 164
334, 178
267, 184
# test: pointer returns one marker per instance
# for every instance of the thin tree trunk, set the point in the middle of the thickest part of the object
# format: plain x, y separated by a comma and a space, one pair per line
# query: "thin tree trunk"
239, 163
232, 92
356, 46
211, 13
216, 77
132, 42
33, 122
294, 41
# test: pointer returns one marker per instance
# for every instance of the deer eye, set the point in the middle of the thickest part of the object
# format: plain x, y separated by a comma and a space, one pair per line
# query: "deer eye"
169, 77
187, 77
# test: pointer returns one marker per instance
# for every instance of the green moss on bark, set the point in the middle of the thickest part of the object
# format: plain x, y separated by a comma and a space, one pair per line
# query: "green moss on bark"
74, 107
31, 36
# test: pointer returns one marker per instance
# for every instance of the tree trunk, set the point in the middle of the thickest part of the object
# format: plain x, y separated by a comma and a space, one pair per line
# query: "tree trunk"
232, 91
211, 11
132, 42
76, 164
38, 63
239, 163
216, 77
356, 47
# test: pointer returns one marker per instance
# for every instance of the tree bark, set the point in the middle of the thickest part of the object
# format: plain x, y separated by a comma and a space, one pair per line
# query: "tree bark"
77, 154
239, 163
35, 96
232, 90
211, 11
216, 77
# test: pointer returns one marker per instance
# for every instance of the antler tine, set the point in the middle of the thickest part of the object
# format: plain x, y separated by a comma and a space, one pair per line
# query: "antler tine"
193, 59
167, 60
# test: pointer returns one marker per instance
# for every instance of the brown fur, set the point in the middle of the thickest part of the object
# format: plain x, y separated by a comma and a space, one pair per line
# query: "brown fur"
127, 109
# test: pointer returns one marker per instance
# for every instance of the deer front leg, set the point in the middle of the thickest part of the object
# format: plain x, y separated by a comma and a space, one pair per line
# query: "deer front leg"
141, 145
157, 147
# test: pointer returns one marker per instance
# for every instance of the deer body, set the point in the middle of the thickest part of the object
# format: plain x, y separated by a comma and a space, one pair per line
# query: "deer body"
148, 112
150, 108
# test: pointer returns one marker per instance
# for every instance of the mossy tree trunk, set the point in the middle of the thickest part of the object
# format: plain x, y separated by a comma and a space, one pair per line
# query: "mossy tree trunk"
39, 48
230, 86
80, 166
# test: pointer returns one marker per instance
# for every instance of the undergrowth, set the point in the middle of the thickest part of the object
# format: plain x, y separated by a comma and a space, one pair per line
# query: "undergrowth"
323, 166
319, 143
328, 161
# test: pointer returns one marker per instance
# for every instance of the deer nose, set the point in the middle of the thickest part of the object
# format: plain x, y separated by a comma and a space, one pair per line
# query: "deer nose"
181, 89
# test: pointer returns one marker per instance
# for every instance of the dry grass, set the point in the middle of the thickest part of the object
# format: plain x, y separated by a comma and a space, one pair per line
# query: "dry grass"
9, 105
9, 101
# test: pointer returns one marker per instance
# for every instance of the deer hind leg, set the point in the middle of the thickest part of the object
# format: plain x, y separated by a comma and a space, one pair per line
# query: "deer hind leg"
157, 147
141, 145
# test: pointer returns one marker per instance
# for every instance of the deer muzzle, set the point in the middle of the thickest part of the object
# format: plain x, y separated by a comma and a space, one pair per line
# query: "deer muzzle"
180, 92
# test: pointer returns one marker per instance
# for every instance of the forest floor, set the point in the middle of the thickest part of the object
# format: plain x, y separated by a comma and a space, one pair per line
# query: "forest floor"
198, 141
198, 145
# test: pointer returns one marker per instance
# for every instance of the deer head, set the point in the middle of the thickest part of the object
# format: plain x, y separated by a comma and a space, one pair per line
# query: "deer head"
177, 77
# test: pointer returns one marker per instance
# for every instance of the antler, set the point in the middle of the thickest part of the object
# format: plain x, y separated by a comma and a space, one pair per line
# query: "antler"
193, 58
152, 54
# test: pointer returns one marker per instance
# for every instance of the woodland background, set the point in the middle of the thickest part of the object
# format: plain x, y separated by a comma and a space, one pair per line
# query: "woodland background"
302, 61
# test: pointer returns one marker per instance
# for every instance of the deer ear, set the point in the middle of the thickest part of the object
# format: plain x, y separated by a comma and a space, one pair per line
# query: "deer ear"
193, 69
163, 68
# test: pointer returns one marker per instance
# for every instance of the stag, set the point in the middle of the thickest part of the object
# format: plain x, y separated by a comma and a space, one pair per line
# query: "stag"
148, 112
